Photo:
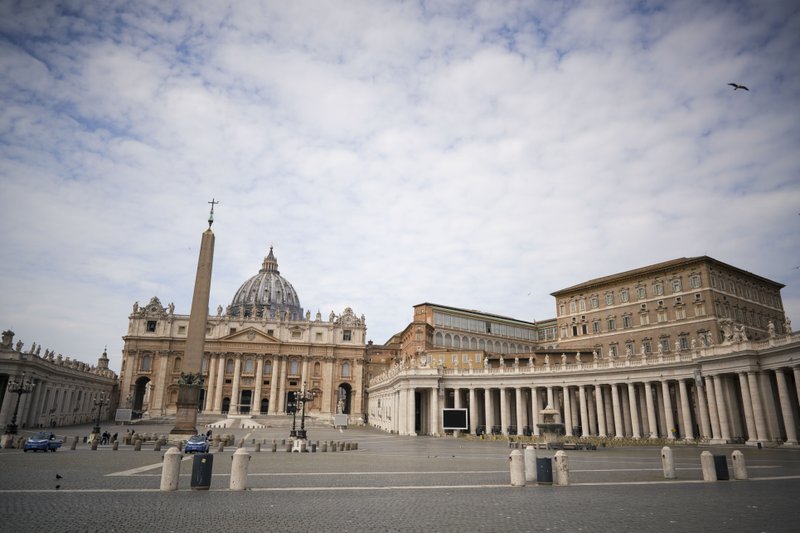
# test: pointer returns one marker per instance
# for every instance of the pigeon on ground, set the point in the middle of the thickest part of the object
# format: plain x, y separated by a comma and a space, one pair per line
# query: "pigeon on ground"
59, 476
736, 87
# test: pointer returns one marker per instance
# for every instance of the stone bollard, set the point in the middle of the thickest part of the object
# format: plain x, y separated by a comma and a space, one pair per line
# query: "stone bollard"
347, 446
171, 469
333, 446
241, 461
274, 447
94, 445
707, 464
221, 447
668, 463
74, 443
157, 446
289, 447
739, 466
254, 441
323, 447
355, 445
517, 465
530, 463
258, 447
180, 445
561, 468
303, 446
241, 443
283, 442
313, 448
115, 446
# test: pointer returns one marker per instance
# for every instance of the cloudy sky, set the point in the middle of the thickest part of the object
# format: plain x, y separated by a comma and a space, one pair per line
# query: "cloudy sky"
472, 154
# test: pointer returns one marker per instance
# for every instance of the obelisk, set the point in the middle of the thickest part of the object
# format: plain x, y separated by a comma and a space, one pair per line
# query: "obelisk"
191, 381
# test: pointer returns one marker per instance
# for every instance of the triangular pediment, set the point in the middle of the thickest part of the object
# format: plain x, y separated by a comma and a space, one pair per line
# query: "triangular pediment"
249, 335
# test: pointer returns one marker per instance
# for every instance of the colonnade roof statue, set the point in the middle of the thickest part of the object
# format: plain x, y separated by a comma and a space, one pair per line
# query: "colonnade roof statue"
266, 294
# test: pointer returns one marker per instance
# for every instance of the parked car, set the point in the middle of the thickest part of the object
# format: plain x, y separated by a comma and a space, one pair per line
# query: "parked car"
44, 441
197, 443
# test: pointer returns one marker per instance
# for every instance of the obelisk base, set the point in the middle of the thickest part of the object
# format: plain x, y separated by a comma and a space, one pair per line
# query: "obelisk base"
186, 416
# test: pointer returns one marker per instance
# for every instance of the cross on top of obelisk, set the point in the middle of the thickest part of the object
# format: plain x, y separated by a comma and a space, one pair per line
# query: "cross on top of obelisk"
211, 214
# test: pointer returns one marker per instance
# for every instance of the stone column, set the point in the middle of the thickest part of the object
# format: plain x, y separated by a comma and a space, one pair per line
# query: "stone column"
457, 405
220, 384
411, 412
280, 384
273, 386
688, 430
786, 408
584, 410
713, 415
591, 411
237, 379
625, 403
668, 418
702, 408
724, 425
608, 406
535, 411
601, 414
747, 405
521, 410
796, 371
636, 430
434, 412
567, 413
550, 402
212, 383
401, 413
618, 430
473, 412
256, 401
488, 410
758, 412
504, 418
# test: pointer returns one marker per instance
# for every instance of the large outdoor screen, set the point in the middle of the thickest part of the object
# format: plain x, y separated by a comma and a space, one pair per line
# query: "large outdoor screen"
455, 419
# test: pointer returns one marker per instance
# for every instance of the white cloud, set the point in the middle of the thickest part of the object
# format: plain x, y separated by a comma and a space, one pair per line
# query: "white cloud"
473, 154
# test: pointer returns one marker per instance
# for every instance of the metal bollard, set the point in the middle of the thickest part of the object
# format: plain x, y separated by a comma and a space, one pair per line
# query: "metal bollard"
668, 463
707, 464
258, 447
517, 465
241, 461
530, 463
313, 448
561, 468
170, 471
739, 465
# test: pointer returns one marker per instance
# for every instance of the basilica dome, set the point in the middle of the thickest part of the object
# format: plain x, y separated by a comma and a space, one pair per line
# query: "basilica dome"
267, 294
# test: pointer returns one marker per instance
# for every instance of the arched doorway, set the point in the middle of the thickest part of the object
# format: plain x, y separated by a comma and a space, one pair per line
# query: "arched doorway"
245, 400
139, 393
343, 398
226, 405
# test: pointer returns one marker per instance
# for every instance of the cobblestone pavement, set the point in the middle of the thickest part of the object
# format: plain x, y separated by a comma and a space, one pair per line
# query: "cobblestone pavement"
392, 483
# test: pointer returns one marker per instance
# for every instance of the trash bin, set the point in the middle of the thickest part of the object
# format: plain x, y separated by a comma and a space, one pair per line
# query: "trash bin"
721, 466
544, 471
201, 471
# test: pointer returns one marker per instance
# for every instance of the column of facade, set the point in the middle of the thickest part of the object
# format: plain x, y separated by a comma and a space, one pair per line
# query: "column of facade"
590, 411
401, 416
713, 414
473, 412
608, 407
212, 382
635, 428
758, 412
273, 386
618, 430
747, 405
488, 410
583, 410
702, 408
601, 413
786, 408
256, 401
769, 407
724, 424
411, 413
625, 403
688, 430
567, 413
237, 380
796, 371
535, 411
668, 418
652, 422
522, 410
457, 405
550, 403
434, 412
280, 384
217, 406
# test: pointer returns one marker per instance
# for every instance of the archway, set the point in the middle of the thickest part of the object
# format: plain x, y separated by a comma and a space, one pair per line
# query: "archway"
226, 405
343, 398
245, 400
139, 394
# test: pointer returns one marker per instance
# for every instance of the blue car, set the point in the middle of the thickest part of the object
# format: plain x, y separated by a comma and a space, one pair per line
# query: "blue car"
197, 443
44, 441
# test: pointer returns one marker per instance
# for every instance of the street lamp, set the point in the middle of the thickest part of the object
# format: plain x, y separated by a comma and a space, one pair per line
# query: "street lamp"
99, 403
20, 387
291, 407
306, 397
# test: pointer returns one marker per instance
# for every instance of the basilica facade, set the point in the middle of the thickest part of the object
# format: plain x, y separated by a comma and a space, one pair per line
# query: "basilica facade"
260, 351
691, 349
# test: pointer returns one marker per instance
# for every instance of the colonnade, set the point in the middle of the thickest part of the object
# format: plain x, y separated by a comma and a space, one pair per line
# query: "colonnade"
749, 405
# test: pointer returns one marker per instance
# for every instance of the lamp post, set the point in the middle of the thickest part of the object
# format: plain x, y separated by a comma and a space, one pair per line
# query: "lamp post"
20, 387
99, 402
306, 397
291, 407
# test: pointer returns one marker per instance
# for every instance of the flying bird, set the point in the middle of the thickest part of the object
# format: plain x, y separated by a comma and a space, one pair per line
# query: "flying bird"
736, 87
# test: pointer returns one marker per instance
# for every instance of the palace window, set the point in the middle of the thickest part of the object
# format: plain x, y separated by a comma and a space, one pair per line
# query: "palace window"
610, 298
612, 350
267, 368
680, 313
248, 365
646, 346
629, 348
317, 369
624, 295
612, 324
572, 307
151, 326
145, 365
293, 367
662, 315
596, 326
594, 303
561, 311
627, 322
229, 366
345, 369
641, 292
694, 281
683, 339
676, 285
347, 335
582, 305
176, 366
644, 318
664, 344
